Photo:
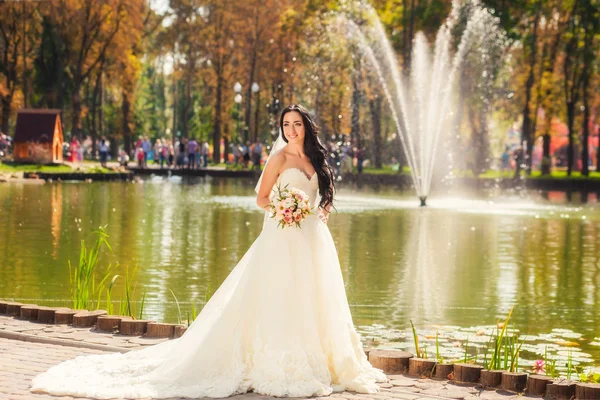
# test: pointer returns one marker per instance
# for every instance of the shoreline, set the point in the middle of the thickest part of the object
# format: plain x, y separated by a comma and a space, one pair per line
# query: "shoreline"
401, 181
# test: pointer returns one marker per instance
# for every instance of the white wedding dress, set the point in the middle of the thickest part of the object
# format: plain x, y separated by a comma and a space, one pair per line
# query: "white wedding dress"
279, 325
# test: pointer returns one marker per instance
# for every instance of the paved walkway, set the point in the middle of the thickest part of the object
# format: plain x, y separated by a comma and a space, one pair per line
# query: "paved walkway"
28, 348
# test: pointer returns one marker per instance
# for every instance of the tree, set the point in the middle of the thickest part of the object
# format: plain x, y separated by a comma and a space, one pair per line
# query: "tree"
19, 38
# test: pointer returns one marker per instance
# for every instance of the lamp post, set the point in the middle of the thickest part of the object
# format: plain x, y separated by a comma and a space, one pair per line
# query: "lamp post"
237, 88
255, 90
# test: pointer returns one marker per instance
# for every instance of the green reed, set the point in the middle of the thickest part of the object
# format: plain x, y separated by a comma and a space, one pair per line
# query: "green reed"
82, 277
178, 308
127, 305
499, 346
418, 352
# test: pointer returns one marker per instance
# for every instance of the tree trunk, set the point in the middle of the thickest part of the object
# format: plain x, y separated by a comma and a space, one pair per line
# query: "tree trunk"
226, 144
526, 130
375, 107
405, 39
355, 132
483, 155
25, 78
546, 161
256, 116
588, 58
175, 112
125, 110
76, 117
188, 104
248, 111
6, 103
101, 107
570, 124
217, 126
411, 31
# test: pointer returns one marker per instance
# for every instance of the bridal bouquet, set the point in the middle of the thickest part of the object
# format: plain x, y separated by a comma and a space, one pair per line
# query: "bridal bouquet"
289, 207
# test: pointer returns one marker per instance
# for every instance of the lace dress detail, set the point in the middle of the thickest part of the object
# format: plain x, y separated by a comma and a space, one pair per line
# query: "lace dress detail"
279, 325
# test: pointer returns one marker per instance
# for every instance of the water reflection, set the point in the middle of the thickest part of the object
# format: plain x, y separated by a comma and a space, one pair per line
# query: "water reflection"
457, 265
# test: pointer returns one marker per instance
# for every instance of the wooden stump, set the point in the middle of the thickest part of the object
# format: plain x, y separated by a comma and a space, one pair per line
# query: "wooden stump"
179, 331
86, 319
134, 327
65, 316
587, 391
110, 323
560, 390
367, 350
390, 361
491, 378
159, 330
536, 384
514, 381
420, 367
46, 315
13, 309
3, 305
443, 370
29, 312
467, 373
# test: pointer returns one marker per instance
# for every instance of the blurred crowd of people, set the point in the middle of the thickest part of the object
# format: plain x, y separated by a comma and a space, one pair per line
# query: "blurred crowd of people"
5, 145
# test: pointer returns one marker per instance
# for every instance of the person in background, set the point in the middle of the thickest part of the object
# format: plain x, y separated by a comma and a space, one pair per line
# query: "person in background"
192, 149
123, 158
147, 148
256, 155
205, 154
103, 151
171, 155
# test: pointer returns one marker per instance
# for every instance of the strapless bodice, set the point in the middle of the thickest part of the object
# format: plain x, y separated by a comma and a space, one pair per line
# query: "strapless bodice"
295, 177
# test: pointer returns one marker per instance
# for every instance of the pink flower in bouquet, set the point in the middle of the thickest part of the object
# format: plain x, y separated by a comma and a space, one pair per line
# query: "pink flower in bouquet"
289, 207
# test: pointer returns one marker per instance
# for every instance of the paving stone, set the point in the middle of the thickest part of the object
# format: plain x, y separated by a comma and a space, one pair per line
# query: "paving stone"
402, 382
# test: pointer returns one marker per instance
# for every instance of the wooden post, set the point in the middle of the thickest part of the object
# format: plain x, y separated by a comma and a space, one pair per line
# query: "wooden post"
390, 361
467, 373
159, 330
87, 318
514, 381
13, 309
443, 370
420, 367
110, 323
135, 327
3, 305
536, 384
491, 378
561, 390
179, 331
29, 312
65, 316
46, 315
587, 391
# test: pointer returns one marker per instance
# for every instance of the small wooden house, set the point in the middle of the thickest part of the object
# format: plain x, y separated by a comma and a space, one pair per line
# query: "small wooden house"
38, 136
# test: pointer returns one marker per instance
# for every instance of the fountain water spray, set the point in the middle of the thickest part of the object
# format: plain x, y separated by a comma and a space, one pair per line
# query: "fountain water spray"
420, 106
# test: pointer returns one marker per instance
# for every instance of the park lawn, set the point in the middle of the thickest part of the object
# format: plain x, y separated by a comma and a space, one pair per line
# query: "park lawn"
493, 174
53, 169
12, 168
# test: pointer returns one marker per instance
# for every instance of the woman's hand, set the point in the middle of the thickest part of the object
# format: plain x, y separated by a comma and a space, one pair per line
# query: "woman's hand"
323, 215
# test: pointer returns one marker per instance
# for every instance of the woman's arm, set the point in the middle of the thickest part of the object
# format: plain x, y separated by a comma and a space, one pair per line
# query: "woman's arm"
269, 178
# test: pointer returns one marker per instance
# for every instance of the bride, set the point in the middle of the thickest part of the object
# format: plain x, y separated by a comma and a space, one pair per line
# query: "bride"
279, 324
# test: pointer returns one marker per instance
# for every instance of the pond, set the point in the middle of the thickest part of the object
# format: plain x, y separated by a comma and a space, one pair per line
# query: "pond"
456, 267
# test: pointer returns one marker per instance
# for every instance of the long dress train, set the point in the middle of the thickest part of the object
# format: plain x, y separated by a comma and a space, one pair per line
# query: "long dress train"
279, 325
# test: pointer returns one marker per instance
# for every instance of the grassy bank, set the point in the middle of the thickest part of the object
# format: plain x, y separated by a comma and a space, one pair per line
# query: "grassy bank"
10, 168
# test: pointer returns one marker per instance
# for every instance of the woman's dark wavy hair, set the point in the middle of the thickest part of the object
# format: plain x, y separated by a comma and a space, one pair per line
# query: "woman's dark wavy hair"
315, 150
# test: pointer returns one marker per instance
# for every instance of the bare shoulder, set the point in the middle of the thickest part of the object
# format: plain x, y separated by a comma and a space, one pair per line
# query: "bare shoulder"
277, 159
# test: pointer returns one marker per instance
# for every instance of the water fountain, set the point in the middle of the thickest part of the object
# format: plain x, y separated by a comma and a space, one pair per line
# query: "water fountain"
421, 103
